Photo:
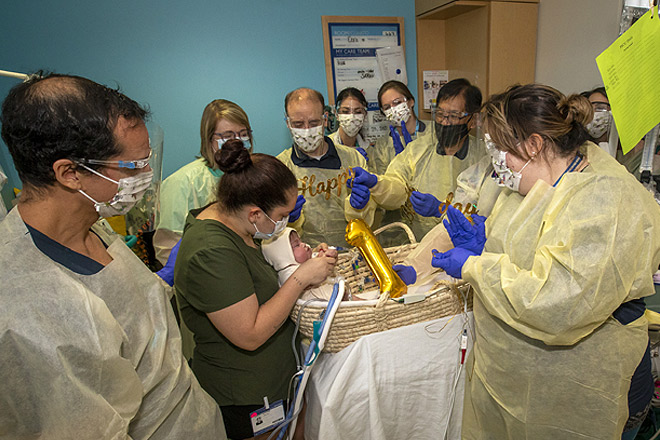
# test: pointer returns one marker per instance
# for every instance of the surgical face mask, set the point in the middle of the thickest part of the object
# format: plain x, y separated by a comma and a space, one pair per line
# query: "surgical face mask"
129, 191
399, 113
307, 139
505, 176
599, 124
450, 135
279, 227
351, 123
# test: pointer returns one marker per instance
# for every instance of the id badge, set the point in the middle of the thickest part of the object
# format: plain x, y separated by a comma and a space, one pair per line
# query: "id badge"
266, 418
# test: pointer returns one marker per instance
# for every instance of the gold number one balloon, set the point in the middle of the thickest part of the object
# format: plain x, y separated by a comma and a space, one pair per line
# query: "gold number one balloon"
359, 235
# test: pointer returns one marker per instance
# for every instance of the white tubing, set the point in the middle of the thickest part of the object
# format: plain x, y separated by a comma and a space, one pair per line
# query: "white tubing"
17, 75
308, 368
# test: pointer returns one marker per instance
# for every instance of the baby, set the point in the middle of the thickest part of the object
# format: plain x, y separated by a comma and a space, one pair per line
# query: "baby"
285, 253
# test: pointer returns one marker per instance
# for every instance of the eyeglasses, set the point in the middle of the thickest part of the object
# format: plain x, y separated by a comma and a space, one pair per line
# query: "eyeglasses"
453, 117
394, 103
228, 135
129, 164
354, 111
600, 106
311, 123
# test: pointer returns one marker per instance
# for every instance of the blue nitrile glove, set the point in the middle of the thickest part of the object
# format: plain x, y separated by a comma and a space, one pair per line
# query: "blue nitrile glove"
363, 177
295, 214
360, 195
167, 272
406, 136
396, 140
363, 153
465, 234
407, 273
425, 204
451, 261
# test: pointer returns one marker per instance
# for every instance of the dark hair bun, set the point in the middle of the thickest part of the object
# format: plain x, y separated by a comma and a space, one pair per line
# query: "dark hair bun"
233, 157
576, 109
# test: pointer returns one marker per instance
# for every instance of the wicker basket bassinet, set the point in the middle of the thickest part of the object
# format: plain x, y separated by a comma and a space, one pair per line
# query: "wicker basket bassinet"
355, 319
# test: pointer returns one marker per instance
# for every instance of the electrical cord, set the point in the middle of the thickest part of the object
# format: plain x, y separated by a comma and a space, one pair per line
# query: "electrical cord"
295, 332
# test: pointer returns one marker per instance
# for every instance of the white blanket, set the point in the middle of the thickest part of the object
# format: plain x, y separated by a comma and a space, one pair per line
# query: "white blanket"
398, 384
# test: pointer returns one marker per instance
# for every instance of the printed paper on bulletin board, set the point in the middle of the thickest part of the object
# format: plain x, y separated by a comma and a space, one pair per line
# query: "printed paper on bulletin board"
350, 58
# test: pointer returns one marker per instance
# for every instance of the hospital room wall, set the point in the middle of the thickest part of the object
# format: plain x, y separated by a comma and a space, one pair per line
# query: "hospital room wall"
178, 56
571, 34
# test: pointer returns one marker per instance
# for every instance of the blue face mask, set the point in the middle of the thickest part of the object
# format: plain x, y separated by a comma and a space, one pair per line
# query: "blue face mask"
277, 230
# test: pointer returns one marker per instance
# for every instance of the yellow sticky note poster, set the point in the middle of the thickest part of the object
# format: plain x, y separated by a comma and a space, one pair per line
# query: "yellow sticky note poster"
630, 68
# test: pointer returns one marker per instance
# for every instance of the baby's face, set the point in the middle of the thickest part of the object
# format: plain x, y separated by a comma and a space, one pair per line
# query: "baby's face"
301, 251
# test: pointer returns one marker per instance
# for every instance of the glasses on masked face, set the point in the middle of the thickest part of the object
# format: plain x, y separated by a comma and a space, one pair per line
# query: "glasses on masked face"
351, 111
453, 117
310, 123
600, 106
394, 103
128, 164
228, 135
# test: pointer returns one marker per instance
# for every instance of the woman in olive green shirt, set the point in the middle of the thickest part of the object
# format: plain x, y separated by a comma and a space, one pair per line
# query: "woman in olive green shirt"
229, 295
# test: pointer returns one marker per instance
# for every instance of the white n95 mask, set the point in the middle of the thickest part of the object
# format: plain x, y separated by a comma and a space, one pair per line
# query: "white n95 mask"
503, 176
307, 139
599, 124
279, 227
351, 124
129, 191
399, 113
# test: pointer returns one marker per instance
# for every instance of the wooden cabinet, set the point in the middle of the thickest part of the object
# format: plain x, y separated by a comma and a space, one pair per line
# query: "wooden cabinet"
492, 43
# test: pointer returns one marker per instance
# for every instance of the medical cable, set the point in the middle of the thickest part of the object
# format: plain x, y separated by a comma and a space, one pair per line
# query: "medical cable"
461, 366
295, 332
315, 347
465, 332
459, 370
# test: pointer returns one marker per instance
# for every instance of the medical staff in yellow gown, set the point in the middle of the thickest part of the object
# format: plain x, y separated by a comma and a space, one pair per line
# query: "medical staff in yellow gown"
321, 167
550, 360
194, 185
571, 248
324, 190
431, 164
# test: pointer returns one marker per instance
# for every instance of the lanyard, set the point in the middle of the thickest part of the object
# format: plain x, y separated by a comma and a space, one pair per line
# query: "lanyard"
573, 165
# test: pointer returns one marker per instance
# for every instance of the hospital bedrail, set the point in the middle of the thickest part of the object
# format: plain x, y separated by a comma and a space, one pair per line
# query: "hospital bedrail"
355, 319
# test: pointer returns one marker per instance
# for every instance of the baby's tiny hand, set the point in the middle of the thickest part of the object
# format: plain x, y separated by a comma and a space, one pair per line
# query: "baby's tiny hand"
330, 252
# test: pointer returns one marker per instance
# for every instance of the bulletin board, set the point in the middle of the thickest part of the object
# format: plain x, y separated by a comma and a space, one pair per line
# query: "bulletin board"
350, 44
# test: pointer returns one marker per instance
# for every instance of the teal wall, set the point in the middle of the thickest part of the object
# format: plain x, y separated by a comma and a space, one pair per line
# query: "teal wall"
177, 56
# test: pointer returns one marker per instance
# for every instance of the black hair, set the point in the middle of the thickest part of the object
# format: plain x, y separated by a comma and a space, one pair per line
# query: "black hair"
600, 90
251, 179
351, 92
461, 87
54, 117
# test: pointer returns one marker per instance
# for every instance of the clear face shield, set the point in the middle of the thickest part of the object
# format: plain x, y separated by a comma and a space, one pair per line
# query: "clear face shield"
142, 219
451, 128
